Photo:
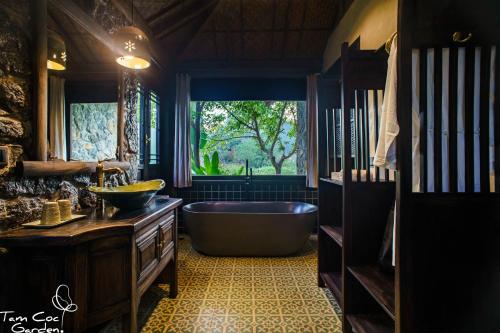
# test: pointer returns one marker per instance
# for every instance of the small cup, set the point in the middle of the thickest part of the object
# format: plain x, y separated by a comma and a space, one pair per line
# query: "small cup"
50, 213
65, 209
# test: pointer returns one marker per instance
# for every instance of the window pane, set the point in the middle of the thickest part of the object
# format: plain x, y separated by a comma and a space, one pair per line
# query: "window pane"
271, 135
154, 131
140, 121
93, 131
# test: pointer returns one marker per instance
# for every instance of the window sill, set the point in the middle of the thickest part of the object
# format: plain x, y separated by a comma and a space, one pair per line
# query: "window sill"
283, 178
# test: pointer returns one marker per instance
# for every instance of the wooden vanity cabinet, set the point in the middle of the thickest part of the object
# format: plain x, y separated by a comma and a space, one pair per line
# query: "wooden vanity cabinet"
108, 262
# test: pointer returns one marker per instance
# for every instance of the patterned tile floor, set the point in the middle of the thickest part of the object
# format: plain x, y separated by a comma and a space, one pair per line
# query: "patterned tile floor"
254, 295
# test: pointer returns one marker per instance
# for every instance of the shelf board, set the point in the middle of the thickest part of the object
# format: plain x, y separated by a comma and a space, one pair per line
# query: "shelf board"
332, 181
336, 233
333, 281
379, 284
370, 324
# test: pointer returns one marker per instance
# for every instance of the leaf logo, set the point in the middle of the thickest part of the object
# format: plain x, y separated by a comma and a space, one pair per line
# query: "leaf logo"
62, 301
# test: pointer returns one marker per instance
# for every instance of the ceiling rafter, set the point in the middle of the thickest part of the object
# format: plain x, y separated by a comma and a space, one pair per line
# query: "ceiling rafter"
286, 27
273, 26
302, 24
283, 47
197, 27
80, 17
242, 37
215, 36
271, 30
185, 16
76, 52
166, 10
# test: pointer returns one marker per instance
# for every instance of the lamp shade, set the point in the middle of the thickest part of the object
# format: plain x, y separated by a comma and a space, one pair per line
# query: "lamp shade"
56, 52
133, 48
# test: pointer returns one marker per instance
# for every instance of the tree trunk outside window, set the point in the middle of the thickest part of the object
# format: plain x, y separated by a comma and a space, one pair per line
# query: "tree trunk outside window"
301, 138
197, 133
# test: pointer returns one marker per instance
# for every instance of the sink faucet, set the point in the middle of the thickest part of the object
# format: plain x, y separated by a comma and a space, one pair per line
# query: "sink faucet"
101, 170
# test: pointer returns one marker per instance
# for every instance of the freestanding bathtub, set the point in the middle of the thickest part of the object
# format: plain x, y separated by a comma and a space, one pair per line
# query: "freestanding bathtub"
249, 228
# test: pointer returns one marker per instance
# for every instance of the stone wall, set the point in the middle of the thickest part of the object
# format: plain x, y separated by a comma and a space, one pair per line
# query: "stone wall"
21, 199
93, 131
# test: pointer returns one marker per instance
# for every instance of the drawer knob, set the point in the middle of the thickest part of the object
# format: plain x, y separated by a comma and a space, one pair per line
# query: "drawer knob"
3, 250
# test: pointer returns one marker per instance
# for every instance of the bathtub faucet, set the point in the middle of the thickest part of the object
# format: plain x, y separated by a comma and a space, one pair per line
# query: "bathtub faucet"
248, 180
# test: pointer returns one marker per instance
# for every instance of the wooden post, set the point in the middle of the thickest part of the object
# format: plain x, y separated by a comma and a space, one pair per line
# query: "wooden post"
41, 79
121, 116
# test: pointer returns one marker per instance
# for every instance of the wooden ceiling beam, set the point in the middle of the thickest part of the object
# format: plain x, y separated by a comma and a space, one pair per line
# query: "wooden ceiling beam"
196, 29
273, 27
251, 68
242, 37
283, 47
80, 17
164, 11
126, 8
185, 16
75, 51
302, 24
268, 30
84, 20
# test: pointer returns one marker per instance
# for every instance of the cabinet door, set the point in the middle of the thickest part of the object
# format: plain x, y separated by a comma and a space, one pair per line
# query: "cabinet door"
147, 253
167, 234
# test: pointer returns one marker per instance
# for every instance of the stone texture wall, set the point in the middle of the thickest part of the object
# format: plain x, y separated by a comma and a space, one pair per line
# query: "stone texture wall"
93, 131
21, 199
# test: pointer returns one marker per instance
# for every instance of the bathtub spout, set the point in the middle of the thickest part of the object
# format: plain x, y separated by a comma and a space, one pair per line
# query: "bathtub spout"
248, 182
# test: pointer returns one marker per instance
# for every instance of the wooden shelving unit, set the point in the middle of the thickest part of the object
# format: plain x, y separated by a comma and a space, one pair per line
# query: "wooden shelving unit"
370, 324
353, 210
336, 233
447, 233
378, 284
333, 281
330, 236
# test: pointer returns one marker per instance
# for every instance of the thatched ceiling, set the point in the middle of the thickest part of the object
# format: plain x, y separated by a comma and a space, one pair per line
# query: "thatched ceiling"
212, 31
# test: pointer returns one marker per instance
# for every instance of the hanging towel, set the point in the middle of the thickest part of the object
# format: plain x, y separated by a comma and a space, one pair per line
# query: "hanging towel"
415, 121
385, 154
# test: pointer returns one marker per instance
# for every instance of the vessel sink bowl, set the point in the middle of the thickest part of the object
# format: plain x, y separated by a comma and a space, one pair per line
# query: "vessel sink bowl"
130, 197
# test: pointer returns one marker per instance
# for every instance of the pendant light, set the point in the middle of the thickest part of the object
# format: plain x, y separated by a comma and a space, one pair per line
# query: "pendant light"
56, 52
133, 47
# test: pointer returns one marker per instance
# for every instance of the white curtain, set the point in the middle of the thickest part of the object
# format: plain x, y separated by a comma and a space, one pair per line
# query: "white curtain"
182, 144
57, 134
312, 131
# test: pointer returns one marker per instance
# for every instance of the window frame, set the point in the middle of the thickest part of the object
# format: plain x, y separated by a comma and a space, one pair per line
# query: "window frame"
265, 177
144, 97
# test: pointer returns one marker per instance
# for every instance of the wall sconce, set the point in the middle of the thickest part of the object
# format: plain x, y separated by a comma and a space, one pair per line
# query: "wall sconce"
133, 48
56, 52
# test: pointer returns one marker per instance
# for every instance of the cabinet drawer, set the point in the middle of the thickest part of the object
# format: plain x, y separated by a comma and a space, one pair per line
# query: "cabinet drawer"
147, 253
167, 234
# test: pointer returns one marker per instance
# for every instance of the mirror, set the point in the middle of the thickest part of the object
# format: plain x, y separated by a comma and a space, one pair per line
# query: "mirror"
83, 98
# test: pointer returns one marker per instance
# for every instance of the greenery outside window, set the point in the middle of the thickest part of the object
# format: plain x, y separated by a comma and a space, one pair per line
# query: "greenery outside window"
271, 135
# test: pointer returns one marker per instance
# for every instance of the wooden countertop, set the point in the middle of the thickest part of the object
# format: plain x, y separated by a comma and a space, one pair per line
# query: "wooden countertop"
95, 225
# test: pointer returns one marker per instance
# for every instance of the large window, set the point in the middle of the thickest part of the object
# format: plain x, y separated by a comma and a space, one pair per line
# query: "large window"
93, 131
271, 135
148, 118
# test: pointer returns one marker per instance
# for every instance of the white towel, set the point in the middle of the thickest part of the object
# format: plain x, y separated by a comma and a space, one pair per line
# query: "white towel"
385, 154
415, 117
